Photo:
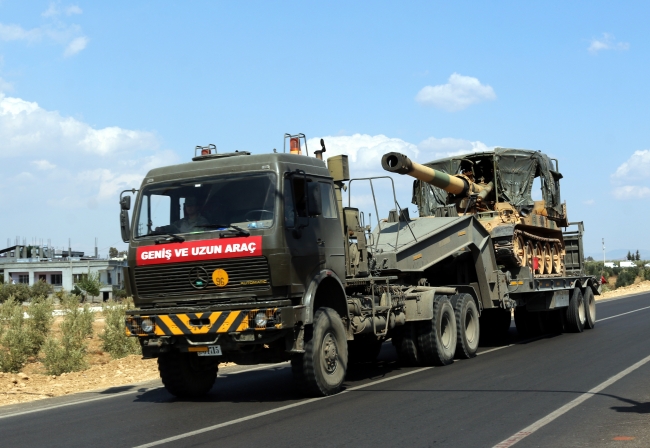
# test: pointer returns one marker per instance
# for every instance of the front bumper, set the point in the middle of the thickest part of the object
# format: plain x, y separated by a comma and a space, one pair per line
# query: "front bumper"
211, 322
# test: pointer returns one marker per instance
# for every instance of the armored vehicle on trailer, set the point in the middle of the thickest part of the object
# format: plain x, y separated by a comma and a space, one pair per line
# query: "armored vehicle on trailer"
255, 259
496, 187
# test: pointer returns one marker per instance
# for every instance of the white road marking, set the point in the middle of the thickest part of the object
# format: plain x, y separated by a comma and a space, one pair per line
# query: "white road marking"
567, 407
622, 314
273, 411
62, 405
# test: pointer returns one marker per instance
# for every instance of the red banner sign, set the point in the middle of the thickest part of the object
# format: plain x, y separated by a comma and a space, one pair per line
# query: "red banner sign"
199, 250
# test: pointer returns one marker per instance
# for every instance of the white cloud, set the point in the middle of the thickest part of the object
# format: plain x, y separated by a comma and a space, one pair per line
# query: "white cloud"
631, 192
589, 202
75, 46
16, 32
43, 165
447, 147
92, 164
69, 36
73, 9
459, 93
5, 86
636, 167
607, 42
630, 177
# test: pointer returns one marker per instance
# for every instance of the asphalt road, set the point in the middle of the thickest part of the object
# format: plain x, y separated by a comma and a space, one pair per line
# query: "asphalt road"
536, 392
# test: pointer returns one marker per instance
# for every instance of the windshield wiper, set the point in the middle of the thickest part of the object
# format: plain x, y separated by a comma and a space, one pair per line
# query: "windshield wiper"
171, 237
228, 228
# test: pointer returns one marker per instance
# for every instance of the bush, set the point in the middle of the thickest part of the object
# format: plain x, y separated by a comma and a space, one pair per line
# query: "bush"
15, 343
646, 274
68, 354
40, 321
118, 293
40, 288
114, 339
19, 291
625, 277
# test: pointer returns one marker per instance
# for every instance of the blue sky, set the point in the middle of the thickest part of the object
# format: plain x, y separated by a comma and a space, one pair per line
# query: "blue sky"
96, 93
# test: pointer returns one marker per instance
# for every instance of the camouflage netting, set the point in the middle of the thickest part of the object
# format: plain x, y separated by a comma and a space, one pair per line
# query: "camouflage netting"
516, 170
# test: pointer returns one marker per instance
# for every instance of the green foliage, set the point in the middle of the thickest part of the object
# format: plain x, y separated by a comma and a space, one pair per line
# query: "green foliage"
40, 288
20, 291
646, 274
15, 343
112, 252
68, 354
118, 294
40, 321
114, 338
89, 285
626, 277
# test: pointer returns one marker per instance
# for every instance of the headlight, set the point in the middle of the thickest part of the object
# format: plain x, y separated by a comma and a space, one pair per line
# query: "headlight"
260, 319
147, 326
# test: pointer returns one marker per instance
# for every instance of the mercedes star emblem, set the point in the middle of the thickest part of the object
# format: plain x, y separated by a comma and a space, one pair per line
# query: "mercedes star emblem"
199, 277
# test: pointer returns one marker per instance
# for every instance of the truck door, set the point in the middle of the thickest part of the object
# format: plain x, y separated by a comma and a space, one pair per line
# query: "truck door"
314, 242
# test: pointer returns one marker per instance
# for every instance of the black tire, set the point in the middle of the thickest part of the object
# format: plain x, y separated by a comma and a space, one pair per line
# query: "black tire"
467, 326
437, 337
186, 375
590, 308
321, 369
406, 345
575, 313
528, 323
364, 349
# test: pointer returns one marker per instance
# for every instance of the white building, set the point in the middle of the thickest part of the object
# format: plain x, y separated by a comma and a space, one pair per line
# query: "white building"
60, 272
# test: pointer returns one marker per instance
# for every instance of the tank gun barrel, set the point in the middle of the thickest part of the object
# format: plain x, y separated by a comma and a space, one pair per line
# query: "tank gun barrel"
395, 162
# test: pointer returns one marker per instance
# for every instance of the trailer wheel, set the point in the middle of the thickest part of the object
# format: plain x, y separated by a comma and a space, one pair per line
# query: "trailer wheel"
575, 313
363, 349
406, 345
321, 369
467, 327
437, 337
590, 308
185, 375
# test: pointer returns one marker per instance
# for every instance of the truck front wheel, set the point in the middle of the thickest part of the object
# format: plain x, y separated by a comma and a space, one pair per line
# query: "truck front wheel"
322, 368
185, 375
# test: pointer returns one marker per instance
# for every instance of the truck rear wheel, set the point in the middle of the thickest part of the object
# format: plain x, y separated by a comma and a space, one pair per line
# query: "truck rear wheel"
407, 346
185, 375
363, 349
321, 369
575, 313
437, 337
590, 308
467, 326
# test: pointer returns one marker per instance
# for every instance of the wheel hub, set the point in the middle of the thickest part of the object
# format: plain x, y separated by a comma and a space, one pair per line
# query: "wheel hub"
330, 353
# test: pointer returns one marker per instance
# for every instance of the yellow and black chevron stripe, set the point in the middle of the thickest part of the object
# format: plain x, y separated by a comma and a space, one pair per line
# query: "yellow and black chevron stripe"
200, 323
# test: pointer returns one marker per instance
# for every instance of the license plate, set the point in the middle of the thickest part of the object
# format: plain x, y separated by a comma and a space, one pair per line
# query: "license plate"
213, 350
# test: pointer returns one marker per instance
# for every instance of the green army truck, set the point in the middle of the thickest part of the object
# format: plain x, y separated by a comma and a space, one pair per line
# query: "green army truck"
254, 259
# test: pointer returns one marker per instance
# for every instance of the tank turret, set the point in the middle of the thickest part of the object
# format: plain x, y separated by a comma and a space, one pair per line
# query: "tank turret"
496, 188
459, 185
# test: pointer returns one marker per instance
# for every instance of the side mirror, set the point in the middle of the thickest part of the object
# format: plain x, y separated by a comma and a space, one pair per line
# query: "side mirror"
314, 199
125, 228
125, 203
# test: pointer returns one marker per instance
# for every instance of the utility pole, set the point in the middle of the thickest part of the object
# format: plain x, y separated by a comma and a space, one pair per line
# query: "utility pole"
603, 273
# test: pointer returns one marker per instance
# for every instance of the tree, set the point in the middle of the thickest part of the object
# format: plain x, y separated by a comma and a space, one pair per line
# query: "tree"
112, 252
590, 258
629, 255
638, 255
89, 285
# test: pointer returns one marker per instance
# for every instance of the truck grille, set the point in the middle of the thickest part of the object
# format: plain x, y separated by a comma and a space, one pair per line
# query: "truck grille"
169, 281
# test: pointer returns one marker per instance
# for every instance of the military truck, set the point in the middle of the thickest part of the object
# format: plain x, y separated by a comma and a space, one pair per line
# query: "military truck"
255, 259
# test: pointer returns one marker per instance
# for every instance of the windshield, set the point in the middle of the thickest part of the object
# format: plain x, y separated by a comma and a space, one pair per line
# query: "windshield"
245, 201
